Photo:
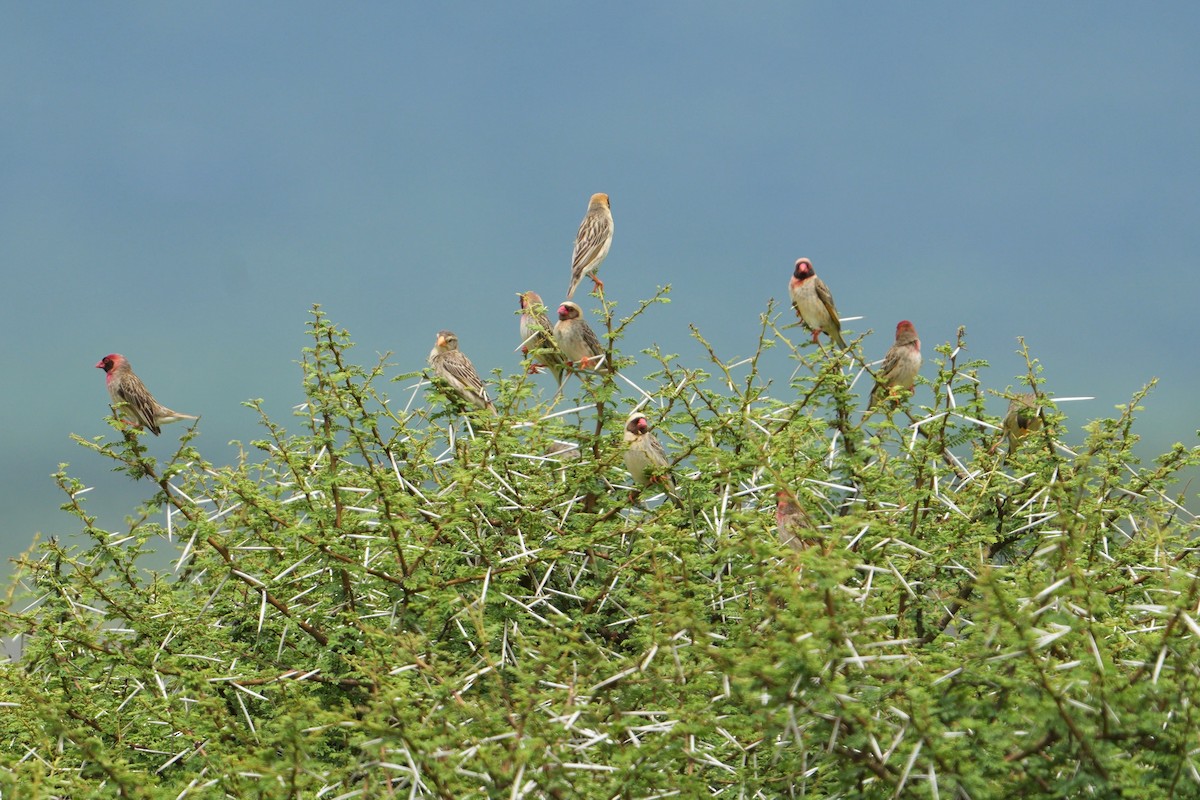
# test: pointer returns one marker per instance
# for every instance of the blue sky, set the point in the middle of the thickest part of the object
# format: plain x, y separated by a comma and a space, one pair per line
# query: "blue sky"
180, 182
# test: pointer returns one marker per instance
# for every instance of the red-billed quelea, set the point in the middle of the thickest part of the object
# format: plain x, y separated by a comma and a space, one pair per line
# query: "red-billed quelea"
591, 242
814, 303
131, 399
645, 457
1022, 418
452, 365
796, 529
537, 336
578, 343
900, 365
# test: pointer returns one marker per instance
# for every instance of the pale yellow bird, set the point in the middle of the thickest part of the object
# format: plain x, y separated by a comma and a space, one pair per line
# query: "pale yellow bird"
645, 457
814, 302
580, 346
1022, 418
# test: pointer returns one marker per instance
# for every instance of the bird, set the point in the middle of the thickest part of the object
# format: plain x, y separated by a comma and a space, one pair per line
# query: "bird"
578, 343
591, 242
561, 452
814, 303
900, 365
131, 399
452, 365
645, 457
537, 336
794, 525
1021, 419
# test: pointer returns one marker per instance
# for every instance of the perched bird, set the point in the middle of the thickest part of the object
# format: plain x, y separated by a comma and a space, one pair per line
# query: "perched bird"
796, 529
578, 343
132, 399
452, 365
814, 303
1021, 419
592, 242
900, 365
561, 452
644, 455
537, 336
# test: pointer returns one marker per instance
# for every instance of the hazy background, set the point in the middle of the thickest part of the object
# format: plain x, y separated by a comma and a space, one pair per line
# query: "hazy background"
180, 182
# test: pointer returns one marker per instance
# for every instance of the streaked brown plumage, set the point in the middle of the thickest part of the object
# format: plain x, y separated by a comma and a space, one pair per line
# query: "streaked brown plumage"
131, 399
452, 365
537, 336
591, 242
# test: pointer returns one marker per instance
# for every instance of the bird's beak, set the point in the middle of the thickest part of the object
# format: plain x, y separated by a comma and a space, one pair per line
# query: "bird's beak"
441, 341
99, 365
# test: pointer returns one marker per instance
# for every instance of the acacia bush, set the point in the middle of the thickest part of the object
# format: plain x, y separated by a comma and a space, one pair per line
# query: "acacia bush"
391, 598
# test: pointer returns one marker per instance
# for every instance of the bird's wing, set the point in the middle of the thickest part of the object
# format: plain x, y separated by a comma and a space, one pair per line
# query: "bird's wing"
459, 369
890, 362
589, 242
141, 403
826, 298
544, 339
590, 339
658, 453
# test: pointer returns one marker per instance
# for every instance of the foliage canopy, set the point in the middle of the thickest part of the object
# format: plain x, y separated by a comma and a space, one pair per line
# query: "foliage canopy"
386, 601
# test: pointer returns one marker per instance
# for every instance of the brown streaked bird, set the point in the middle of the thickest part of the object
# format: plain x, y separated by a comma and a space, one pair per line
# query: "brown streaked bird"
131, 399
452, 365
537, 336
814, 302
592, 242
578, 343
900, 365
